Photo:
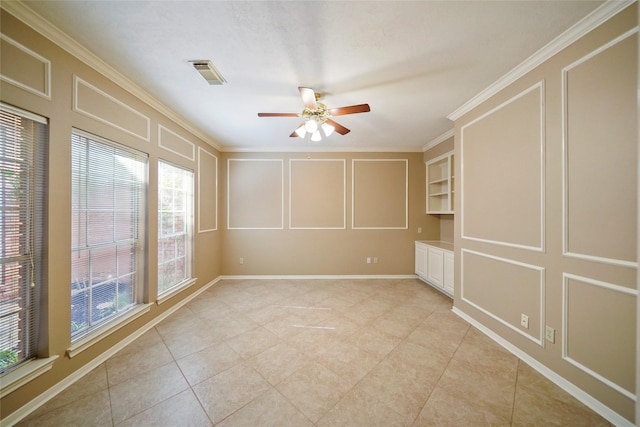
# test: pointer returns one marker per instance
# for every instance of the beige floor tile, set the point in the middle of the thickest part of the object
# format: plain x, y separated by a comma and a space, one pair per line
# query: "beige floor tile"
94, 407
229, 391
533, 409
93, 382
359, 409
375, 341
269, 410
539, 401
425, 365
192, 337
182, 410
313, 390
123, 367
402, 390
208, 362
279, 362
489, 391
348, 360
285, 326
451, 409
146, 390
253, 342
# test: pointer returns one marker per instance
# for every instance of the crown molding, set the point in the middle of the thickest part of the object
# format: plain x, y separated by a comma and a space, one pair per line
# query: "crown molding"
575, 32
321, 149
429, 145
29, 17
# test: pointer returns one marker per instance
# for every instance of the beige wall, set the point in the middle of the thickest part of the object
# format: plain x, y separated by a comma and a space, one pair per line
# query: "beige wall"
445, 222
547, 224
309, 228
82, 98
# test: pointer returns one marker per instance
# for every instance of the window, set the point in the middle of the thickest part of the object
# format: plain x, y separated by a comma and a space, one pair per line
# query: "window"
175, 226
23, 137
108, 209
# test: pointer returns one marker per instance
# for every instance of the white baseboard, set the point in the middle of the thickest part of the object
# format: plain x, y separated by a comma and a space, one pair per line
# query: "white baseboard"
588, 400
58, 388
318, 276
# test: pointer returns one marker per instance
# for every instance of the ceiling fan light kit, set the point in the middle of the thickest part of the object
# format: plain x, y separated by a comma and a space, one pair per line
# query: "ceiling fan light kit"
317, 116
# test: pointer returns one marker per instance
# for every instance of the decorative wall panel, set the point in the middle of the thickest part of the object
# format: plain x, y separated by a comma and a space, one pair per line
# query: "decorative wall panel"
207, 191
380, 193
502, 157
317, 193
255, 198
99, 105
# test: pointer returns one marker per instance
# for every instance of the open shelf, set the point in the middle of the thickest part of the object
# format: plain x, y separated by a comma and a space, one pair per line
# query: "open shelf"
440, 184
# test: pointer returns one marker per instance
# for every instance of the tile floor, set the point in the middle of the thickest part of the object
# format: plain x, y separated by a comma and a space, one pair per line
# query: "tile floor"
314, 353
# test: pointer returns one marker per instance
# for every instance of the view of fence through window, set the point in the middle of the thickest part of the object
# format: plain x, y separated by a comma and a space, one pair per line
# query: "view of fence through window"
175, 199
108, 193
21, 188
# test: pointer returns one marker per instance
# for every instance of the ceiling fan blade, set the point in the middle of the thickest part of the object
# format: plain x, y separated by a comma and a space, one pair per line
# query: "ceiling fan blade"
361, 108
294, 134
339, 128
278, 114
308, 97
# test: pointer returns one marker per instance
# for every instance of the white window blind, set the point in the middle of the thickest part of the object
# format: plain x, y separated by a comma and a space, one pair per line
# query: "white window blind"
175, 225
108, 209
23, 138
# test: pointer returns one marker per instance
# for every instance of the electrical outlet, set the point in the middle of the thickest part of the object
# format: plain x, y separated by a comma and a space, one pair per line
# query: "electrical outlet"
419, 230
550, 334
241, 260
368, 260
524, 321
375, 259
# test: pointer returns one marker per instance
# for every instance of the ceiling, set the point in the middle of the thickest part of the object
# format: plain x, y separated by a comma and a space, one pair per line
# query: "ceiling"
413, 62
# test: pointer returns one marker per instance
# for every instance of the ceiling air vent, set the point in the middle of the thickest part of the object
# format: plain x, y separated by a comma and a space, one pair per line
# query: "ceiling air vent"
208, 72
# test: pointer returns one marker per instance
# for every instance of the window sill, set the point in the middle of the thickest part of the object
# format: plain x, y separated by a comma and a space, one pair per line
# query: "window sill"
100, 333
175, 290
20, 376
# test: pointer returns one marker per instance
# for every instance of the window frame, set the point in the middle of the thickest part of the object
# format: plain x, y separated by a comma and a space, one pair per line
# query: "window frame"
96, 330
32, 235
189, 227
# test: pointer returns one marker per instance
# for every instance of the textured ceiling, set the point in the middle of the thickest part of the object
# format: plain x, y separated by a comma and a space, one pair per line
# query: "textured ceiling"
412, 62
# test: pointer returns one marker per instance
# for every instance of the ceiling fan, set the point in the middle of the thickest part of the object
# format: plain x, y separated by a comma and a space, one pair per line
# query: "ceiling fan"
317, 116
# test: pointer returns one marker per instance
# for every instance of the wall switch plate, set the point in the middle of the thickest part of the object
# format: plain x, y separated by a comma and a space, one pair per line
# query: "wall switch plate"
241, 260
419, 230
368, 260
524, 321
375, 259
550, 334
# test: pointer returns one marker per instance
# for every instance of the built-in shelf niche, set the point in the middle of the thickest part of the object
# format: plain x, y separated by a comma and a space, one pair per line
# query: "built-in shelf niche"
440, 184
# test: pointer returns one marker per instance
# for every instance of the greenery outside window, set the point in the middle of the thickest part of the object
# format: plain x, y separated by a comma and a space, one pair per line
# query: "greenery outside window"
175, 226
109, 183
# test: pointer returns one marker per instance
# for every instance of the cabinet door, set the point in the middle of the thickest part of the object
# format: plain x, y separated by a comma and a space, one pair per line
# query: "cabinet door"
448, 272
421, 261
435, 264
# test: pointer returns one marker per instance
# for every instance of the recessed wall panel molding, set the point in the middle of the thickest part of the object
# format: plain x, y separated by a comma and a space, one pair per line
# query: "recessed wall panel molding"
317, 194
599, 330
207, 191
502, 154
173, 142
24, 68
99, 105
599, 202
504, 290
379, 196
255, 194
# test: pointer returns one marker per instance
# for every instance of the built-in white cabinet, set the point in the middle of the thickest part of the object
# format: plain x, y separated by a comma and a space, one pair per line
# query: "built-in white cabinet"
434, 264
440, 184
